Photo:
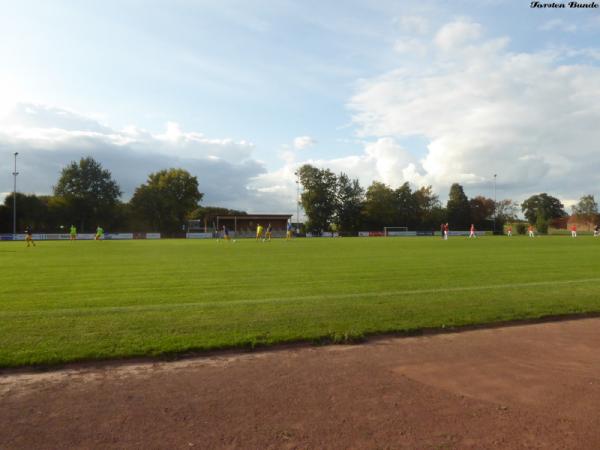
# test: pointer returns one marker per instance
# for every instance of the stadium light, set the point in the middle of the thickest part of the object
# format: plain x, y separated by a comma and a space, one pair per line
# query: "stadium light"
297, 173
495, 175
15, 173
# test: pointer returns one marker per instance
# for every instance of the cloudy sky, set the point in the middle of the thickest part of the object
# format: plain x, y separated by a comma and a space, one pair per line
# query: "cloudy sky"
240, 93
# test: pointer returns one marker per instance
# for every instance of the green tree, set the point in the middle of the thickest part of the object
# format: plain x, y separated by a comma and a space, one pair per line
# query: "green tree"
31, 211
458, 208
430, 213
318, 198
541, 221
89, 191
407, 207
482, 212
380, 207
586, 209
166, 199
349, 204
59, 213
521, 228
546, 205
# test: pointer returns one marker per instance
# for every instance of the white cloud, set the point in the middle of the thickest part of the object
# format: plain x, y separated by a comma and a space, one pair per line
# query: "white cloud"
48, 138
457, 33
558, 24
11, 90
589, 53
390, 161
408, 45
383, 160
37, 116
304, 142
529, 117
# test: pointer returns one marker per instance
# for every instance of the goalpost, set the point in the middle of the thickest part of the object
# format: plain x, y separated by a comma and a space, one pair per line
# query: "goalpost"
394, 231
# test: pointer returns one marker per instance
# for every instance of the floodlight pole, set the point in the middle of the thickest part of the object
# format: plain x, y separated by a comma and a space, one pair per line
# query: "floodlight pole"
297, 173
495, 175
15, 173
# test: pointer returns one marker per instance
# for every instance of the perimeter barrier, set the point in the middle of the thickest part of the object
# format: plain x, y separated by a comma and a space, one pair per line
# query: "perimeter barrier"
80, 236
417, 233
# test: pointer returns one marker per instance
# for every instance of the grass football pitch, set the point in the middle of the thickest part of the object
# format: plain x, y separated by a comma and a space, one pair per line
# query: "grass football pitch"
68, 301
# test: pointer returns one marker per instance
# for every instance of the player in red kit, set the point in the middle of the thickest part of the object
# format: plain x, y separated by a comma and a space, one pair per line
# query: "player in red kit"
472, 233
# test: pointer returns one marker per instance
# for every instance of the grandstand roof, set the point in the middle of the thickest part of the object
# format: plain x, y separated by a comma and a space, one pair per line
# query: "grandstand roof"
255, 216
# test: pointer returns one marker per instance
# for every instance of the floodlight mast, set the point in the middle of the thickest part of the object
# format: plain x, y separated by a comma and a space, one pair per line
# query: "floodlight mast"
495, 175
15, 173
297, 199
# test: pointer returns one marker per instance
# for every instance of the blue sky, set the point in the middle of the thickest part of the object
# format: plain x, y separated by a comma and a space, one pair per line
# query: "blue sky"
240, 81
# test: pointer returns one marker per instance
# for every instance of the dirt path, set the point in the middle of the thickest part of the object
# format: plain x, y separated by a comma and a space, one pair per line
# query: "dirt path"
525, 386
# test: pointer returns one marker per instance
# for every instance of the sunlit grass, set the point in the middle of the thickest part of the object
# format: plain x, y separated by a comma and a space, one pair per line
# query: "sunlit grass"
66, 301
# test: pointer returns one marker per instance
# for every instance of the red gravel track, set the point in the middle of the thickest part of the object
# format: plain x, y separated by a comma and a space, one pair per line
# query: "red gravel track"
522, 386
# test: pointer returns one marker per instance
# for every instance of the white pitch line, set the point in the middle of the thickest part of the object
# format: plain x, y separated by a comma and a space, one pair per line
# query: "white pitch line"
159, 307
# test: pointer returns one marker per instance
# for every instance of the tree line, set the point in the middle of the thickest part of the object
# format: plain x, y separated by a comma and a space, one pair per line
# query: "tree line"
86, 196
337, 203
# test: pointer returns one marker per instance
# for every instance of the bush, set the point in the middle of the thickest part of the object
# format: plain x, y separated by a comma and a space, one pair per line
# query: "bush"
541, 225
521, 228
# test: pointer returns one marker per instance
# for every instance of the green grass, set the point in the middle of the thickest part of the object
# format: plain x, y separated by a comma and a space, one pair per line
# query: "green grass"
67, 301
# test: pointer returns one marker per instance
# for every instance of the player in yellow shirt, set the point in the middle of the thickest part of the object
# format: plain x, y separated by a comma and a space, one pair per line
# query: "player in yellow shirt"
73, 233
259, 231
